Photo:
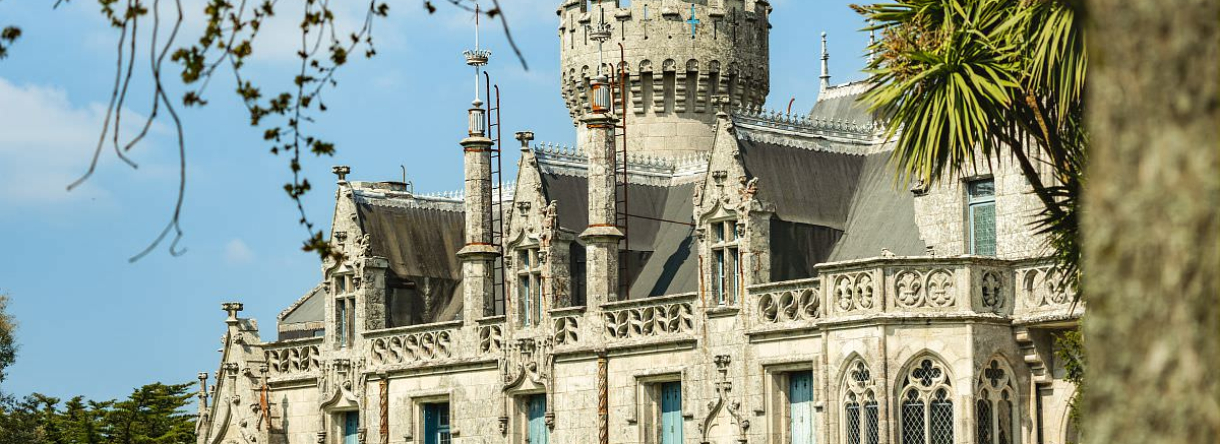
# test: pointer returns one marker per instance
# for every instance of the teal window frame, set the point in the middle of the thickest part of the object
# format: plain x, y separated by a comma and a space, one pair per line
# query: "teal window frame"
979, 201
726, 268
437, 423
529, 285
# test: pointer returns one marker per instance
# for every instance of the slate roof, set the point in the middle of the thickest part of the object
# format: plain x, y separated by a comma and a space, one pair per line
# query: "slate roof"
840, 103
834, 201
308, 309
660, 231
421, 241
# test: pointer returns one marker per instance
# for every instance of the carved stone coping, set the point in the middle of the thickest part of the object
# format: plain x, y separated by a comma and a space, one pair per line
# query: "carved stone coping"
443, 367
567, 311
290, 343
446, 325
920, 261
644, 302
1056, 318
774, 287
491, 320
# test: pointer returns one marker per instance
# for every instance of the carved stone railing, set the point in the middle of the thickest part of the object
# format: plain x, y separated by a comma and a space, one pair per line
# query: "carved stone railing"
296, 357
565, 323
414, 344
1041, 293
787, 303
965, 285
491, 335
649, 317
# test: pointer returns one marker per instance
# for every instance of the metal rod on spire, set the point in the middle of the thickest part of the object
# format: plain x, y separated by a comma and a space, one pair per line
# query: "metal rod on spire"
477, 57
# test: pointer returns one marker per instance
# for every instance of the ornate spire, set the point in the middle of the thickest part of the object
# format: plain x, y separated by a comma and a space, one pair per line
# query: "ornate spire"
476, 57
825, 64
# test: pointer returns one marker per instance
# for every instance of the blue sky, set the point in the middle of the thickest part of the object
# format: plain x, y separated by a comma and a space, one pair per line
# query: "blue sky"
92, 324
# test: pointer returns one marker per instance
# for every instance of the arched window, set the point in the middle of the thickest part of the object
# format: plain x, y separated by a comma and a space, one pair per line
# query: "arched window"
994, 406
926, 404
859, 405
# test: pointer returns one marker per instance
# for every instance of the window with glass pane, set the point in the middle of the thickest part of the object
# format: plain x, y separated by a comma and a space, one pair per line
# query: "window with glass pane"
529, 286
726, 264
994, 413
859, 405
436, 423
341, 321
981, 215
926, 406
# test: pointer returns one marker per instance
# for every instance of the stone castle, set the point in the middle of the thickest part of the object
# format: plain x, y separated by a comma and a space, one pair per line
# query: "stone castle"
696, 270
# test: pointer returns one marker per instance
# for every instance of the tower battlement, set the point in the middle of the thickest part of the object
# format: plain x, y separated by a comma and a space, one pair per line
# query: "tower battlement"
678, 56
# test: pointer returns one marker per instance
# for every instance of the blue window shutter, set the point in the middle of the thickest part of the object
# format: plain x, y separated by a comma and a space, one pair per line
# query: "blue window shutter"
538, 433
671, 413
351, 427
800, 407
430, 423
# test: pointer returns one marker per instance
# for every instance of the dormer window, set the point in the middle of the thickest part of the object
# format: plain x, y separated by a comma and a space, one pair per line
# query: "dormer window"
345, 309
980, 213
726, 261
529, 285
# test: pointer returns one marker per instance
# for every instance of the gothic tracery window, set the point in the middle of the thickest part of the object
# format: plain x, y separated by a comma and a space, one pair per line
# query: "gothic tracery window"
925, 409
994, 407
859, 405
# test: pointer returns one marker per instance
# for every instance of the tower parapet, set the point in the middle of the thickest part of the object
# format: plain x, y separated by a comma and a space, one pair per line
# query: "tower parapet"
678, 55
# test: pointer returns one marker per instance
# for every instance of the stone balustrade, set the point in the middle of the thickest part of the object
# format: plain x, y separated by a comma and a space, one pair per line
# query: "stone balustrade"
786, 303
297, 357
491, 335
924, 287
413, 345
1041, 294
649, 317
566, 323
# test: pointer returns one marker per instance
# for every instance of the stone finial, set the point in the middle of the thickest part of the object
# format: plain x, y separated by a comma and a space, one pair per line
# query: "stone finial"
525, 137
342, 171
232, 308
825, 64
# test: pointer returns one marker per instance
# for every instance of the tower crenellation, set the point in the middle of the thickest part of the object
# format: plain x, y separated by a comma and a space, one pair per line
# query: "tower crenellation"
678, 56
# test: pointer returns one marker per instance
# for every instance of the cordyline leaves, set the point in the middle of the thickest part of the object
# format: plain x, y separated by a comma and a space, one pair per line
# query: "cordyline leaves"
965, 83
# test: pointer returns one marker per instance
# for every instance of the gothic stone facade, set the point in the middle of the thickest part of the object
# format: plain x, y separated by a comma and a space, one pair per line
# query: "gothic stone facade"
748, 277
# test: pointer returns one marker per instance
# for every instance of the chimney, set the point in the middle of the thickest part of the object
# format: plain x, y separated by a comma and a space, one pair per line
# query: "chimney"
602, 235
479, 252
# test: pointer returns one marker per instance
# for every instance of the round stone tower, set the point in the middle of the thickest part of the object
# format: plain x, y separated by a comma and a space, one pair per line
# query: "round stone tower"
679, 56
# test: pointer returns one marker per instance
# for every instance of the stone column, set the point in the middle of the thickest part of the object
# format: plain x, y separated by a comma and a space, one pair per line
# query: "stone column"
477, 255
602, 236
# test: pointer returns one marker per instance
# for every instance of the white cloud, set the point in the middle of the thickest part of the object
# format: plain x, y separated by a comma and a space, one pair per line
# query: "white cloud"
45, 144
237, 252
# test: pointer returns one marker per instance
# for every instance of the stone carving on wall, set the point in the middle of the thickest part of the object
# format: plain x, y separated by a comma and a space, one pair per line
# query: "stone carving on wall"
991, 284
636, 322
567, 330
489, 338
529, 360
723, 402
412, 347
293, 360
796, 305
920, 288
854, 291
1043, 287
